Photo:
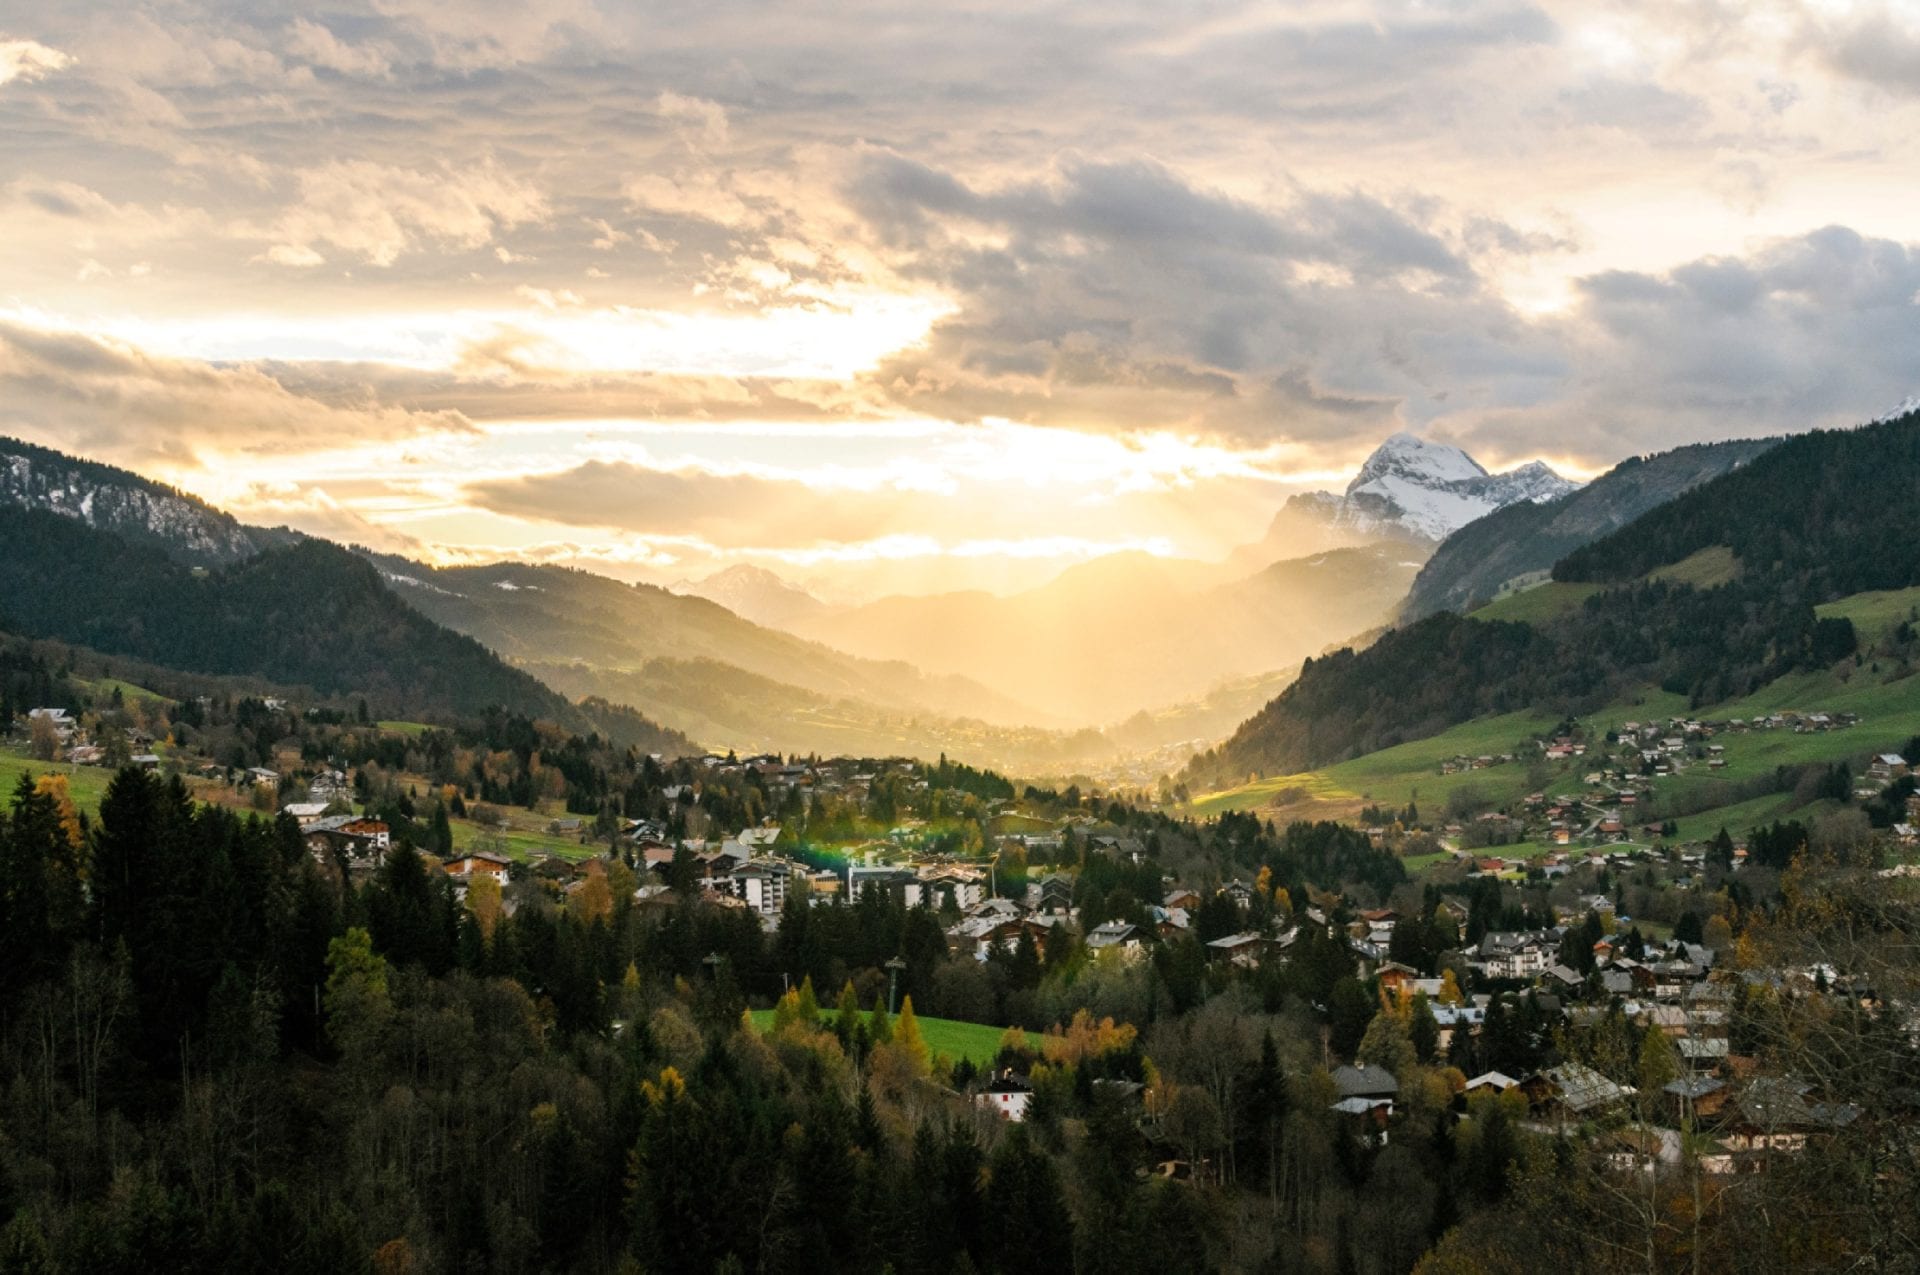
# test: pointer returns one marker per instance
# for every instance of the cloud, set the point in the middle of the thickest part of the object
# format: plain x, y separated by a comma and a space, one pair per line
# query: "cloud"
1810, 330
1873, 45
107, 398
319, 46
29, 60
1123, 296
705, 123
377, 212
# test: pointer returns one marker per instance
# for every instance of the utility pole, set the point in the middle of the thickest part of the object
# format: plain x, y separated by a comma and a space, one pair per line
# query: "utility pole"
894, 967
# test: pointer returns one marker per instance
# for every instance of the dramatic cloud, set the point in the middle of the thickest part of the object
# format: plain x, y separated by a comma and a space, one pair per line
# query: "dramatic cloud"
1538, 227
112, 400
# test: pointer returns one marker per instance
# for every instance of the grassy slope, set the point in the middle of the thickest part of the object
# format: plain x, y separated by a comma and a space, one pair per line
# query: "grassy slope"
975, 1041
101, 691
1889, 711
85, 784
1537, 604
1874, 614
1714, 565
523, 836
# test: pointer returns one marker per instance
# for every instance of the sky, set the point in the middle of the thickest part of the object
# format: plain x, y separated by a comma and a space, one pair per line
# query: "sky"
912, 297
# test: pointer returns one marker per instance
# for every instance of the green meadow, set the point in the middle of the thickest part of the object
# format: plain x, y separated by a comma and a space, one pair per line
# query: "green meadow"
975, 1042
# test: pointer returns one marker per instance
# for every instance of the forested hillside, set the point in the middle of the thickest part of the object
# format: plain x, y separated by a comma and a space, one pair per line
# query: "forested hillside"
307, 615
135, 508
1514, 542
1832, 512
1819, 517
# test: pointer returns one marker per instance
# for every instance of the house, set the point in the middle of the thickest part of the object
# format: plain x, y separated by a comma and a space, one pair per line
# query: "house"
1367, 1094
1118, 935
1243, 950
1393, 976
352, 835
1695, 1097
1776, 1113
1497, 1082
262, 777
1574, 1090
1887, 767
1007, 1096
483, 863
1515, 954
305, 813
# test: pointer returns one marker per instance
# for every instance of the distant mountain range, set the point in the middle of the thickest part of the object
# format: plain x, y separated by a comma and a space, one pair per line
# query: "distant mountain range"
755, 593
1710, 594
553, 616
1132, 632
1409, 489
309, 615
1516, 545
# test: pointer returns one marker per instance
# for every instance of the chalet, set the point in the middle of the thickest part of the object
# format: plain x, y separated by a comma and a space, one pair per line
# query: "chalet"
1007, 1096
62, 721
1393, 976
1243, 950
1366, 1094
1116, 935
305, 813
1181, 898
1494, 1081
483, 863
1778, 1114
1054, 893
355, 837
262, 777
1573, 1090
1887, 767
1695, 1097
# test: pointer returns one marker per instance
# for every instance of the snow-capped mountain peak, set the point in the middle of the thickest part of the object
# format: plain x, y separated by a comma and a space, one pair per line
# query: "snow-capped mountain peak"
1414, 488
1415, 460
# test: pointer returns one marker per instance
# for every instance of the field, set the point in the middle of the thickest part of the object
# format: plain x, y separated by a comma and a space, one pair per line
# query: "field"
101, 691
86, 784
1539, 603
1394, 776
404, 728
1874, 614
976, 1042
1714, 565
518, 842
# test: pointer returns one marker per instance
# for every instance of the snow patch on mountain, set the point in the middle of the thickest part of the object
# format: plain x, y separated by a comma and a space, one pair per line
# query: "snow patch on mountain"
1908, 406
1411, 488
124, 504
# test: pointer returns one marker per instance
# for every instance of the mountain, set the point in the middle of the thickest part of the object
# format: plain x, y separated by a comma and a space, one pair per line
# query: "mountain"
754, 593
308, 614
1711, 595
1132, 632
1409, 489
136, 509
1524, 539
